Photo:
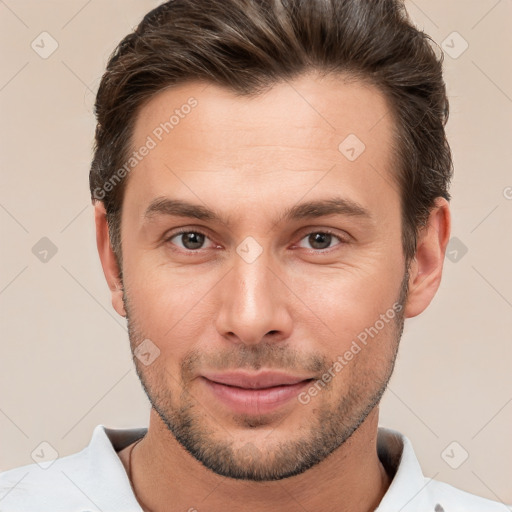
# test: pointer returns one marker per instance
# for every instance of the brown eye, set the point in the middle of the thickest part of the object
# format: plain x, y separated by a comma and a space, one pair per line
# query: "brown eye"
189, 240
321, 240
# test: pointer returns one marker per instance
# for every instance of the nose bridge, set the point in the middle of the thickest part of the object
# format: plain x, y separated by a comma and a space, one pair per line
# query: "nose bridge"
254, 292
253, 303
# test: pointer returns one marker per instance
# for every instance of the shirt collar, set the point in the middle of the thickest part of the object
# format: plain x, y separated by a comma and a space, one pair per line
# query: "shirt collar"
394, 449
405, 492
107, 481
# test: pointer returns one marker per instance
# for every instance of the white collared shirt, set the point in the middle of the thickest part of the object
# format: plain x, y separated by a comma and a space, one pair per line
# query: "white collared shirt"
94, 479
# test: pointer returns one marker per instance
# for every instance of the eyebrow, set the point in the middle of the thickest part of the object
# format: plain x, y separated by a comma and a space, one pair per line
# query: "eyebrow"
305, 210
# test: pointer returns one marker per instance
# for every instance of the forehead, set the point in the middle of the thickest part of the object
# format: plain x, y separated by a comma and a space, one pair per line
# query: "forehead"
333, 105
289, 137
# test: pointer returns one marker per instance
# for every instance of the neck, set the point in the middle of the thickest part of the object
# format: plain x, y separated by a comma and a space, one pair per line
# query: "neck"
352, 478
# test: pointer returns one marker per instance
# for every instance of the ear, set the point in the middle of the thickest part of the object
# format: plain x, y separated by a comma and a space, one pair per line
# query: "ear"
427, 265
108, 258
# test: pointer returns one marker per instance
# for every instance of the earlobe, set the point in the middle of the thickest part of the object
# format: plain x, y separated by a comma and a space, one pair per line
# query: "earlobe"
108, 258
427, 266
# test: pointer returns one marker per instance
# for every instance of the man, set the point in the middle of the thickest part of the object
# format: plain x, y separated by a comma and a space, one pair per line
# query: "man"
270, 183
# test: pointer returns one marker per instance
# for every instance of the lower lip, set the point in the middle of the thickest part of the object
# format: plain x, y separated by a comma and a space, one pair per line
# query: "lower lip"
255, 401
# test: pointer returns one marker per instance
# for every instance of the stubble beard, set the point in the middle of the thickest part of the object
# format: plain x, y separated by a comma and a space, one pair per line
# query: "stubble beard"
332, 425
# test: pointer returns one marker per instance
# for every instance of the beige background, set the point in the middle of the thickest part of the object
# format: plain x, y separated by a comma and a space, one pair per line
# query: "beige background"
65, 364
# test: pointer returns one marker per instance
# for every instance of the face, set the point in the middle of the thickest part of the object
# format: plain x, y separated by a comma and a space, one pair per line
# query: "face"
263, 269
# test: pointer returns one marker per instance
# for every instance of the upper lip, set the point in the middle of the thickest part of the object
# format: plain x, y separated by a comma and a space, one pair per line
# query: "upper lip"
264, 379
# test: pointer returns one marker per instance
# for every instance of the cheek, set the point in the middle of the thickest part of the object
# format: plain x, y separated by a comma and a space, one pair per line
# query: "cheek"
169, 307
347, 301
361, 355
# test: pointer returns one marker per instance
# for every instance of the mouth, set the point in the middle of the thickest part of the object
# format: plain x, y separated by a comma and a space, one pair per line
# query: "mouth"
255, 394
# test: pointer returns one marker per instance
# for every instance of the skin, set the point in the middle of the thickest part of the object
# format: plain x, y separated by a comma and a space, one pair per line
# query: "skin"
295, 308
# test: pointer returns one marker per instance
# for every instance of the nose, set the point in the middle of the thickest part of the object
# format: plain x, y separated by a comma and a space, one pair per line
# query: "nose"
254, 304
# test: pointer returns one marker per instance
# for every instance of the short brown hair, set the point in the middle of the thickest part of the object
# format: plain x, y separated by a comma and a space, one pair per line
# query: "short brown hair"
248, 46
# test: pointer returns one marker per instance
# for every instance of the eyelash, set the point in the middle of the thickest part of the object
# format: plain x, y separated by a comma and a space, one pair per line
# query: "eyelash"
317, 251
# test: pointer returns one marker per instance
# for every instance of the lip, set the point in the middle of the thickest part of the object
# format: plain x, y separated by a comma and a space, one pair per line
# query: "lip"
255, 394
260, 380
